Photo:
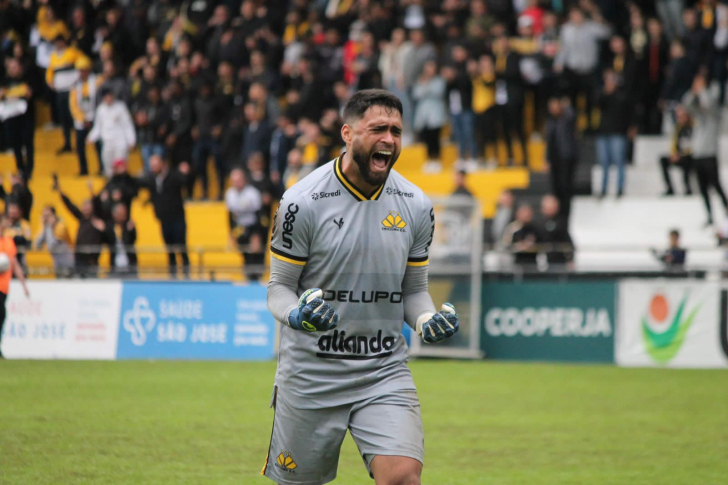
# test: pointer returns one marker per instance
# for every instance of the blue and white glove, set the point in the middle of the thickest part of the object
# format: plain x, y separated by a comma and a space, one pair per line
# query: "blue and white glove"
313, 313
437, 327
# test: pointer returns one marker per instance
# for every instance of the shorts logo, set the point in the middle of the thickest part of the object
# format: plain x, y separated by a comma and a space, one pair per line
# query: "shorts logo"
393, 191
285, 462
393, 222
290, 218
325, 195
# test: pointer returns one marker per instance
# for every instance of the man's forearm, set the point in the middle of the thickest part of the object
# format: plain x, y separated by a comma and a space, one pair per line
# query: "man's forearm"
282, 286
417, 300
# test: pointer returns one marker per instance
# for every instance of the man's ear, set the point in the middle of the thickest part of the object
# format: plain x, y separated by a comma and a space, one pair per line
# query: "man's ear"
346, 133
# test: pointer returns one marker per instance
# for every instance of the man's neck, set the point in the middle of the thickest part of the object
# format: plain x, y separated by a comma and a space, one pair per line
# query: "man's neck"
351, 170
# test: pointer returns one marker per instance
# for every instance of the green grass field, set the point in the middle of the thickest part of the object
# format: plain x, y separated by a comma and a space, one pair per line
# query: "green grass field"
209, 423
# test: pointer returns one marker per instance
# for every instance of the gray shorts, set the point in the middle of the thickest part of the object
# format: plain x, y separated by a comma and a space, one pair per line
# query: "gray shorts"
305, 443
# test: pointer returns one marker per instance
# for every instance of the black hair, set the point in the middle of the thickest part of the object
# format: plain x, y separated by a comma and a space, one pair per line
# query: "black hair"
363, 100
675, 233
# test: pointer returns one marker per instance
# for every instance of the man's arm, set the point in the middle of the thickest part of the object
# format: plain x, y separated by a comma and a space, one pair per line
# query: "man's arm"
289, 247
419, 310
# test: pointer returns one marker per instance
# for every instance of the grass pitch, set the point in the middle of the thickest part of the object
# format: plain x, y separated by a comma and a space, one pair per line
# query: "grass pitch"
209, 423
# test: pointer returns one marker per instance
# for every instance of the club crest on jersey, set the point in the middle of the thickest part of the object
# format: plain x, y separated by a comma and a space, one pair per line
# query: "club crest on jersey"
285, 462
393, 222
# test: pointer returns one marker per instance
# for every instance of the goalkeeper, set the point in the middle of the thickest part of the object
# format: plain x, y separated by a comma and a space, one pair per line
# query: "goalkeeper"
349, 260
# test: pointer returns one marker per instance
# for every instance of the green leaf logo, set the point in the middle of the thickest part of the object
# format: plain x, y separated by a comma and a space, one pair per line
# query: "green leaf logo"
663, 346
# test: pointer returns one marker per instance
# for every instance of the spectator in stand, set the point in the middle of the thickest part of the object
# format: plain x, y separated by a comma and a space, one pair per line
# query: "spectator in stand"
294, 168
121, 239
244, 203
206, 134
615, 122
165, 188
418, 54
55, 236
482, 74
19, 193
509, 93
561, 151
702, 104
698, 41
61, 75
674, 256
83, 101
554, 238
460, 101
681, 153
578, 58
178, 140
19, 229
479, 22
283, 140
90, 236
113, 126
365, 66
720, 46
256, 134
461, 188
656, 63
520, 239
680, 73
82, 35
394, 57
152, 120
504, 215
430, 114
269, 192
17, 114
670, 12
121, 188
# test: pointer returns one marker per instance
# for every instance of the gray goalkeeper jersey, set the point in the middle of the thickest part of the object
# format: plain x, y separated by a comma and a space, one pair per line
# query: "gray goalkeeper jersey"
355, 248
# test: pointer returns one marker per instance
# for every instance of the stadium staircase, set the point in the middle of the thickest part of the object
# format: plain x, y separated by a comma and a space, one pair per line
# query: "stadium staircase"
211, 255
614, 234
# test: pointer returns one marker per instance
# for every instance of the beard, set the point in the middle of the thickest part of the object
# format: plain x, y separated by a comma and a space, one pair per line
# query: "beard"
362, 159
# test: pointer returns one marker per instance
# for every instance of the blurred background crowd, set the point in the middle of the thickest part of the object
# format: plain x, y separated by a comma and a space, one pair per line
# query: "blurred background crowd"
236, 100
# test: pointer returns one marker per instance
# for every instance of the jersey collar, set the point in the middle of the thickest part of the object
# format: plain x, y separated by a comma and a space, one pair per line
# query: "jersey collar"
350, 187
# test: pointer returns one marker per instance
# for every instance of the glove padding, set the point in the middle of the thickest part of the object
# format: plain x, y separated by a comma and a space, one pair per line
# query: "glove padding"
313, 313
439, 326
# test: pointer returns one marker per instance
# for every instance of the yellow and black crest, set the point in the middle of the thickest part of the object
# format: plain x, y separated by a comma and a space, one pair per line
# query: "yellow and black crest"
394, 221
285, 462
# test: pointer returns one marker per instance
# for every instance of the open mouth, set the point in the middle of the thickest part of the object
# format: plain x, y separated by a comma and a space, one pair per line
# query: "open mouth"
381, 159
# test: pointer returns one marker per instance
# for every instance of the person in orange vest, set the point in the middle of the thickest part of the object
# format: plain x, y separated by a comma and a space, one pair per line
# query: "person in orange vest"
7, 247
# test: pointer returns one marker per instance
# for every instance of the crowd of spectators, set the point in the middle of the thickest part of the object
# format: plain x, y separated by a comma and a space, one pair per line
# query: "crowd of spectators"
257, 87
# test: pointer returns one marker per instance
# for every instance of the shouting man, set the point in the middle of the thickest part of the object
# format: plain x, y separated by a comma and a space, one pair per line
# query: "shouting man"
349, 264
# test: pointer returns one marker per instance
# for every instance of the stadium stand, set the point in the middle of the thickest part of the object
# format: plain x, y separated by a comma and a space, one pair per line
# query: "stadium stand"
280, 71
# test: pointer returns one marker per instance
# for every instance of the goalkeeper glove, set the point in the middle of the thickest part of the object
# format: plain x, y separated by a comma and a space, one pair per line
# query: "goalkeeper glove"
313, 313
439, 326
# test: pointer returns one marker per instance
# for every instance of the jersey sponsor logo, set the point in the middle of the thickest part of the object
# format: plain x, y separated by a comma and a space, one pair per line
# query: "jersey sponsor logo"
290, 218
354, 347
339, 223
393, 191
285, 462
393, 222
348, 296
325, 195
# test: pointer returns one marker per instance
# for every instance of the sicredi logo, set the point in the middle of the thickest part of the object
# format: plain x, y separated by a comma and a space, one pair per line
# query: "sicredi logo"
554, 322
663, 337
325, 195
